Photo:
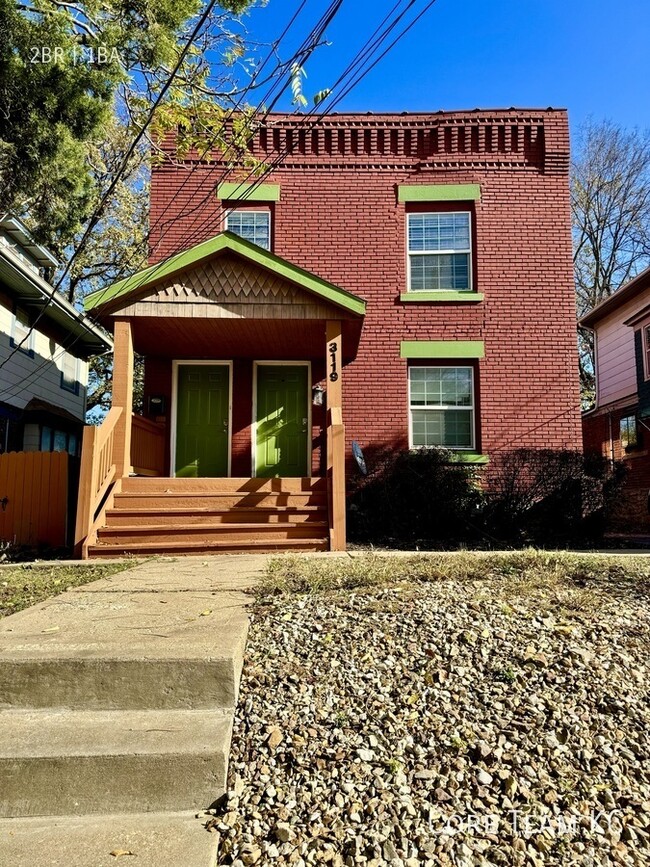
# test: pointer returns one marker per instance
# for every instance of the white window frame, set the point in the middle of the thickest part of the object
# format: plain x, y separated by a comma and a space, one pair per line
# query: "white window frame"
410, 254
28, 346
264, 211
444, 407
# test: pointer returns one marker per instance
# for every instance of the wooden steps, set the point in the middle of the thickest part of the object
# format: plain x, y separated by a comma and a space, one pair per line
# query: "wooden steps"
187, 516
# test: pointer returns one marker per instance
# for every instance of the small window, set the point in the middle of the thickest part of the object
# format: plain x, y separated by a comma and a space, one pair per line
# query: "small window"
22, 335
439, 252
69, 374
629, 434
253, 226
442, 407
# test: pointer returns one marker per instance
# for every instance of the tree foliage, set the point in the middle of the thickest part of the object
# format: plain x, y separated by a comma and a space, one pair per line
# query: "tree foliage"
610, 201
69, 71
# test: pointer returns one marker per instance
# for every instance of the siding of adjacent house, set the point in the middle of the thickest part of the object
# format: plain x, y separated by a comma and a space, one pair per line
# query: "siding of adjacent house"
23, 378
615, 356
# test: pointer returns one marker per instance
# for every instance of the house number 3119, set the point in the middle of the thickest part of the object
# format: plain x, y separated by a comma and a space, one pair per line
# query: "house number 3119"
334, 374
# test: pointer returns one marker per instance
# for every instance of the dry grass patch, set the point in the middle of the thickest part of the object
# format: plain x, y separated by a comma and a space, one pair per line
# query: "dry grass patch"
25, 585
518, 571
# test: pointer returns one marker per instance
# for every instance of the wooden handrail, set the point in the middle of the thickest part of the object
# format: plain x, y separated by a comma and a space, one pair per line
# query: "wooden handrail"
97, 474
147, 447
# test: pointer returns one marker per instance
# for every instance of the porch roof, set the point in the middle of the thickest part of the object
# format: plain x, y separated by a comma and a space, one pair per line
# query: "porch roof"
225, 242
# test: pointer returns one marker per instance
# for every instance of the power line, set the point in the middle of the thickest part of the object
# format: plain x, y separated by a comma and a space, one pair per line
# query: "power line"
371, 46
307, 46
94, 218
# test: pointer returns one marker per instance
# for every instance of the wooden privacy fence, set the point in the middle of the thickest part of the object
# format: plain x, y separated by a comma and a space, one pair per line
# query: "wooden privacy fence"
34, 498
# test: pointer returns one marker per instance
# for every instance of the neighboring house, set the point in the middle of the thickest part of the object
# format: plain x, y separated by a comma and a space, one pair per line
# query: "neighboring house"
399, 280
43, 371
618, 427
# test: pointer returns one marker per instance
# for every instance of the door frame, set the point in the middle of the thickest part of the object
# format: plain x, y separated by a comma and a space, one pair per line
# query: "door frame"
271, 363
176, 363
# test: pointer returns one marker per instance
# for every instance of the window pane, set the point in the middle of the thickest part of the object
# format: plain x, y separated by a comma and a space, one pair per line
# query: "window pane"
441, 386
60, 441
449, 428
444, 271
253, 226
434, 232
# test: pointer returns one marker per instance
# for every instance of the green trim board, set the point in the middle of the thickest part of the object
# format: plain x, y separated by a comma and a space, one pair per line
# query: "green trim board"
470, 458
249, 192
449, 295
442, 349
439, 193
227, 242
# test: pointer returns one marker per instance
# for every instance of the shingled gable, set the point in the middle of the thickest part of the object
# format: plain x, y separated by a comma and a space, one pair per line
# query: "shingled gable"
228, 246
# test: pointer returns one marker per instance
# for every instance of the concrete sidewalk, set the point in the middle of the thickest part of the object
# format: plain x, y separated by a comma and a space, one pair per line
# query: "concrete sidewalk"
116, 706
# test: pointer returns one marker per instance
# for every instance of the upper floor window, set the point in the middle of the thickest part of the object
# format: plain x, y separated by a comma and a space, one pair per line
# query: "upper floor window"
253, 226
22, 335
442, 407
439, 251
70, 374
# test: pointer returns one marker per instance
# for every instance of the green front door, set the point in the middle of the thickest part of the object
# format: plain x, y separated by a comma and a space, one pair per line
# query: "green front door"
202, 427
282, 434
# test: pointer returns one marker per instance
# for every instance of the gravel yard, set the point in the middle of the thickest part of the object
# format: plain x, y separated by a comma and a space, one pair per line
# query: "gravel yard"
461, 709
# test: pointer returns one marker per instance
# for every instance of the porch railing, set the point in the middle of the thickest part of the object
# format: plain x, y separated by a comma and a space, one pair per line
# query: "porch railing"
147, 447
97, 479
336, 479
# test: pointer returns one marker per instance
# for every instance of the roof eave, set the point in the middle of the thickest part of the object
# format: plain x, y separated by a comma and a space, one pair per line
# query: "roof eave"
154, 274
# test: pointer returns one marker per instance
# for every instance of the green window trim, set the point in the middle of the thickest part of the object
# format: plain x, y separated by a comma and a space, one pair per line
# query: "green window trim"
442, 295
442, 349
439, 193
249, 192
470, 458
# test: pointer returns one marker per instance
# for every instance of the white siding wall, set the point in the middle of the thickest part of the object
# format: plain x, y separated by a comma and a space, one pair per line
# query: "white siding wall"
17, 384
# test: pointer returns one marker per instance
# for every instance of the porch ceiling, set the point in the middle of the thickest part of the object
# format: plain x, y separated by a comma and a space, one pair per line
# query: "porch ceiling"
261, 339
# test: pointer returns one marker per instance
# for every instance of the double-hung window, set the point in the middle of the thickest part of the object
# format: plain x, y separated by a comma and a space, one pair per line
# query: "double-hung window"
645, 340
439, 251
442, 407
22, 335
70, 373
253, 226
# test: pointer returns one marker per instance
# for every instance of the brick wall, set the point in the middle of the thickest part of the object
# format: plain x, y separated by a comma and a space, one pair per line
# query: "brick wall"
338, 216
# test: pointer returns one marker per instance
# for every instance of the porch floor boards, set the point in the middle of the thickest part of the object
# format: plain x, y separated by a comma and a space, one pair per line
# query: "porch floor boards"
156, 515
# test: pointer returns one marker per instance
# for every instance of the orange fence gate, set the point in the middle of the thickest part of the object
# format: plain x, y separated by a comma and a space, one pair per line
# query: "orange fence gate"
34, 498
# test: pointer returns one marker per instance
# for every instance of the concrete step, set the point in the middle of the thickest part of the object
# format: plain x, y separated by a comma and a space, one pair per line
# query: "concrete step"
172, 517
127, 650
141, 534
155, 839
62, 762
175, 546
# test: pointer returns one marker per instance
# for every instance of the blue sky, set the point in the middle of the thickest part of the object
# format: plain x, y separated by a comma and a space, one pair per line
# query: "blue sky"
588, 56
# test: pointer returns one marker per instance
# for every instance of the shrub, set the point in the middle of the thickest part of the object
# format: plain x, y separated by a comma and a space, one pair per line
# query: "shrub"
426, 499
415, 499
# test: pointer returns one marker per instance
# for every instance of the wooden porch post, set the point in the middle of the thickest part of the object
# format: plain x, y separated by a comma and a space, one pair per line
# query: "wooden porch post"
335, 434
123, 395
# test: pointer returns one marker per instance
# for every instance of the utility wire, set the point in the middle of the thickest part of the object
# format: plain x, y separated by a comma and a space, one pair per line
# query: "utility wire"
372, 44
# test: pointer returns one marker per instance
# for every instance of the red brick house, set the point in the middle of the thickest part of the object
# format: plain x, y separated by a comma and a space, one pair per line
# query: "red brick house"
618, 427
399, 280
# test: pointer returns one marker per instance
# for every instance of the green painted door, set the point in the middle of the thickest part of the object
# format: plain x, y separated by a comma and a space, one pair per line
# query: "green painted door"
282, 436
202, 427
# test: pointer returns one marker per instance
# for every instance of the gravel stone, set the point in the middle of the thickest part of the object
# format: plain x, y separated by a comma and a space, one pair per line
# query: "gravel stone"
480, 723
